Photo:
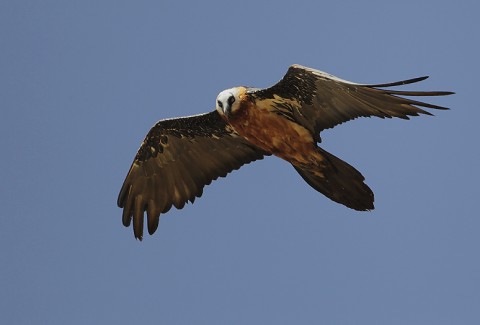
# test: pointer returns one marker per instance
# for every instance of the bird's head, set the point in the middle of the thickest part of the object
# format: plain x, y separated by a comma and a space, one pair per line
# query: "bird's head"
228, 101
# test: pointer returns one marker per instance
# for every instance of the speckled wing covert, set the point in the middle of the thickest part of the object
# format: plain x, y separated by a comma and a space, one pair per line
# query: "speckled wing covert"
175, 161
321, 101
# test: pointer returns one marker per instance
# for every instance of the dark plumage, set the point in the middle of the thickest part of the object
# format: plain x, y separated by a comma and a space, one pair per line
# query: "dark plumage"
175, 161
180, 156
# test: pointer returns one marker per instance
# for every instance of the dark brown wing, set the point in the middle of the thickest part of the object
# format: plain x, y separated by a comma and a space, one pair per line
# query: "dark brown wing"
323, 101
175, 161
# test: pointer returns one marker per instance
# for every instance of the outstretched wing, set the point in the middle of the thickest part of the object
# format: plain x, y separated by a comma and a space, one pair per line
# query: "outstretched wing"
319, 101
175, 161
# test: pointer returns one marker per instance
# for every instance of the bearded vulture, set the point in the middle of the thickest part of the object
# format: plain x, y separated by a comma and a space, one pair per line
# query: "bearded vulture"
180, 156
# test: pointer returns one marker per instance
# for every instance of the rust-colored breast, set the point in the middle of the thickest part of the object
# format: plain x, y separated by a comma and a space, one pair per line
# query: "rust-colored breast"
258, 123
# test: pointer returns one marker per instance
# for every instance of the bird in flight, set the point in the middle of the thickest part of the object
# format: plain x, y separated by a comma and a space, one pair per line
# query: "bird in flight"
180, 156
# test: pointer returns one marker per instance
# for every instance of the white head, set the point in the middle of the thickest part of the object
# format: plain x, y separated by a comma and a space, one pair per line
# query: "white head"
228, 101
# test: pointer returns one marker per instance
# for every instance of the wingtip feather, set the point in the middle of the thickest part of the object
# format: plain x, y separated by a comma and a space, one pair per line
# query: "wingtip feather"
398, 83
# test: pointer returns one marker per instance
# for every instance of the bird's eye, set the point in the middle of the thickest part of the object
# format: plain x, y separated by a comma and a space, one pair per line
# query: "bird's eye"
231, 100
219, 104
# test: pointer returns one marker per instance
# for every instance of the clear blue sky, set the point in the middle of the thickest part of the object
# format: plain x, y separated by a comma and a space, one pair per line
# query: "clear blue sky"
81, 82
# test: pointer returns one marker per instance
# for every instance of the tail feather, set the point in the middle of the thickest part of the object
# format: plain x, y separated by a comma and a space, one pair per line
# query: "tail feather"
338, 181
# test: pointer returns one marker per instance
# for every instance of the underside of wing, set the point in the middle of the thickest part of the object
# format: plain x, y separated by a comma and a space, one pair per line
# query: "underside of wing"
175, 161
324, 101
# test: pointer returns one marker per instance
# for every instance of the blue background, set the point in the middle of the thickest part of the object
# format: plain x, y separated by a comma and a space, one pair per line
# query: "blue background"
81, 83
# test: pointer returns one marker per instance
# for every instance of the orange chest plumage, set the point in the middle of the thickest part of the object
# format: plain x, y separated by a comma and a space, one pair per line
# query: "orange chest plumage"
260, 125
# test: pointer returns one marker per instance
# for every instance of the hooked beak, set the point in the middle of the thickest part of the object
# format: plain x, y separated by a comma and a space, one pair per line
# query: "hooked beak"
227, 111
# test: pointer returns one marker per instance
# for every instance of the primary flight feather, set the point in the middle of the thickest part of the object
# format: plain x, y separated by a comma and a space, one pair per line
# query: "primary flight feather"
180, 156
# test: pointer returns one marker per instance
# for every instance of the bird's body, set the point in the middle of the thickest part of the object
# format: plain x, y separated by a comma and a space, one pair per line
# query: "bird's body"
180, 156
283, 137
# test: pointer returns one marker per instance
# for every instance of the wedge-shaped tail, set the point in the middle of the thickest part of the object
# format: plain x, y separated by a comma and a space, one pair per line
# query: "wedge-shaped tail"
338, 181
